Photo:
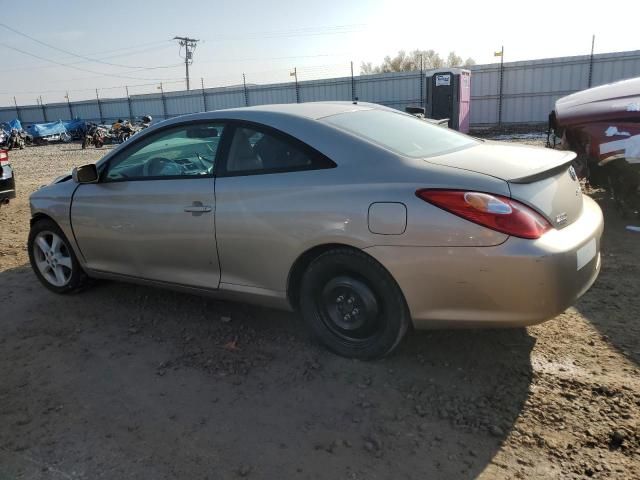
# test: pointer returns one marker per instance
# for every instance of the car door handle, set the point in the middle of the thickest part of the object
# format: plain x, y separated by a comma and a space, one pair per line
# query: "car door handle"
197, 207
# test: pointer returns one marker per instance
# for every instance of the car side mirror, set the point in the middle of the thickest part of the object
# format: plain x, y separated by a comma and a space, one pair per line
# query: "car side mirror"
85, 174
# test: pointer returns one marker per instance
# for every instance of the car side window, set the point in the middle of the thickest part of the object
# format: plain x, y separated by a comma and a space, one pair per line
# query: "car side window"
254, 151
186, 151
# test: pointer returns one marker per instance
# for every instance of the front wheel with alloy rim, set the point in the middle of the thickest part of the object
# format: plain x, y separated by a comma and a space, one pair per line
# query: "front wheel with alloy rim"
353, 305
53, 259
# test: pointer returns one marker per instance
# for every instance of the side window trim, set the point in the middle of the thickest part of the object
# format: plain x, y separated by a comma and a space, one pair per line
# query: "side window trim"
134, 141
230, 129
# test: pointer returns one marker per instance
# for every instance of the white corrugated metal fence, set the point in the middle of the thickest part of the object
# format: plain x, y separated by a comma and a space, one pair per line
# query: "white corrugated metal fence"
530, 89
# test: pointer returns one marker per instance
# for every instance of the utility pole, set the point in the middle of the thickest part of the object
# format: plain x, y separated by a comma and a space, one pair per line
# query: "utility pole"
189, 45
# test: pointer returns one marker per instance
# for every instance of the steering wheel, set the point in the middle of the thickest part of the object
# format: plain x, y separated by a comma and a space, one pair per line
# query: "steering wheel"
204, 162
159, 166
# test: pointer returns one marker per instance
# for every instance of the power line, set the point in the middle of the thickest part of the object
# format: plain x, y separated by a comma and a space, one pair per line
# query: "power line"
221, 81
140, 45
88, 59
127, 54
102, 74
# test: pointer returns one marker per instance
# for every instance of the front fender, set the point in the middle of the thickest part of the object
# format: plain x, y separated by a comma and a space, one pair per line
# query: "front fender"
54, 201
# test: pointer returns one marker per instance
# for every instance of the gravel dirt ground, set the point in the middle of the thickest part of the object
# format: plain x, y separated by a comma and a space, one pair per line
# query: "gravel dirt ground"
125, 381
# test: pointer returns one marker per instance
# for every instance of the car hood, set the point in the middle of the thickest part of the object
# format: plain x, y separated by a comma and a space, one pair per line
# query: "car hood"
62, 178
513, 163
619, 100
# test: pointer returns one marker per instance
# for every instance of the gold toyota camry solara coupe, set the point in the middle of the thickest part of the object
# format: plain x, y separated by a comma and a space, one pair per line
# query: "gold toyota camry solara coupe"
364, 219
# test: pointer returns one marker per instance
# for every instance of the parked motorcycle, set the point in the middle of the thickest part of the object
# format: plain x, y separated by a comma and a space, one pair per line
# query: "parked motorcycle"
119, 131
126, 131
122, 130
95, 135
16, 139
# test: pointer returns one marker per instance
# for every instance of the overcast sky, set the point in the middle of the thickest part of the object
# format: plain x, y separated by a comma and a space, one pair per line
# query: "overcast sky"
266, 39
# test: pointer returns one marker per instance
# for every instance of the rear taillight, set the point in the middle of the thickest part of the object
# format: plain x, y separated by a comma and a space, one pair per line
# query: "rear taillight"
492, 211
4, 158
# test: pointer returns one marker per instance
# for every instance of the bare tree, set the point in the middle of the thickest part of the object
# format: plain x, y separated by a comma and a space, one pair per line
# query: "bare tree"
412, 61
430, 58
367, 68
454, 60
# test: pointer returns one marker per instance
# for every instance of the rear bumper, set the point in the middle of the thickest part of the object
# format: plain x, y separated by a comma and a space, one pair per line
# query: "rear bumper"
520, 282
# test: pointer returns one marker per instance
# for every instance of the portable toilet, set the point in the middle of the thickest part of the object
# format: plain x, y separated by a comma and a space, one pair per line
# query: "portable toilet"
448, 95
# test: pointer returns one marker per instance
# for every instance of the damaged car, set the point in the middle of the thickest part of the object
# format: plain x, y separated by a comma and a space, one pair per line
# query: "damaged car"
602, 125
366, 220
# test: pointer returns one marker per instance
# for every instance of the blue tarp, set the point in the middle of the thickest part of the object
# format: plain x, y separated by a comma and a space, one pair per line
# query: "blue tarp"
46, 129
72, 127
15, 123
8, 126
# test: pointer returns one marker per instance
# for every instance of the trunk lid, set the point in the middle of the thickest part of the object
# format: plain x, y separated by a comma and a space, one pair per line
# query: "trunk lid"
538, 177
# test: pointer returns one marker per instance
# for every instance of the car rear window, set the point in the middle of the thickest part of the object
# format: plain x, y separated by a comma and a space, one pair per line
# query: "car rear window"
401, 133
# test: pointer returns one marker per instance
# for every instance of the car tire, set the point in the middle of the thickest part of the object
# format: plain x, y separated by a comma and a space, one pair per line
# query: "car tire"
60, 254
353, 305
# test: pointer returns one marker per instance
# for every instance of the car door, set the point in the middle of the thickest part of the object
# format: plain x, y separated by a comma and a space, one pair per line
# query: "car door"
262, 212
151, 215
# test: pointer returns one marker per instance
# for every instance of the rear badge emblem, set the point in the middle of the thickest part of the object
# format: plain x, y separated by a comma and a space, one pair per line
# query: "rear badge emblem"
572, 173
562, 218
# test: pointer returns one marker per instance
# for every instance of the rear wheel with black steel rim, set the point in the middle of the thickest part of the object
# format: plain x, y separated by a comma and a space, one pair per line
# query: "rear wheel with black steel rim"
53, 259
353, 305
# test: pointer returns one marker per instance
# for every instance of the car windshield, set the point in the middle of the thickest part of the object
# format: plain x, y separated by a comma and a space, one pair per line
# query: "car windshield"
401, 133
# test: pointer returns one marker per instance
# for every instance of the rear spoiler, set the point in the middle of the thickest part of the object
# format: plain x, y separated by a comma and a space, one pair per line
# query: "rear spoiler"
565, 161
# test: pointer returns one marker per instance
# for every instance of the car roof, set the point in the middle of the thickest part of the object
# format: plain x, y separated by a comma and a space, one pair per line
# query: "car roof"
303, 111
312, 110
